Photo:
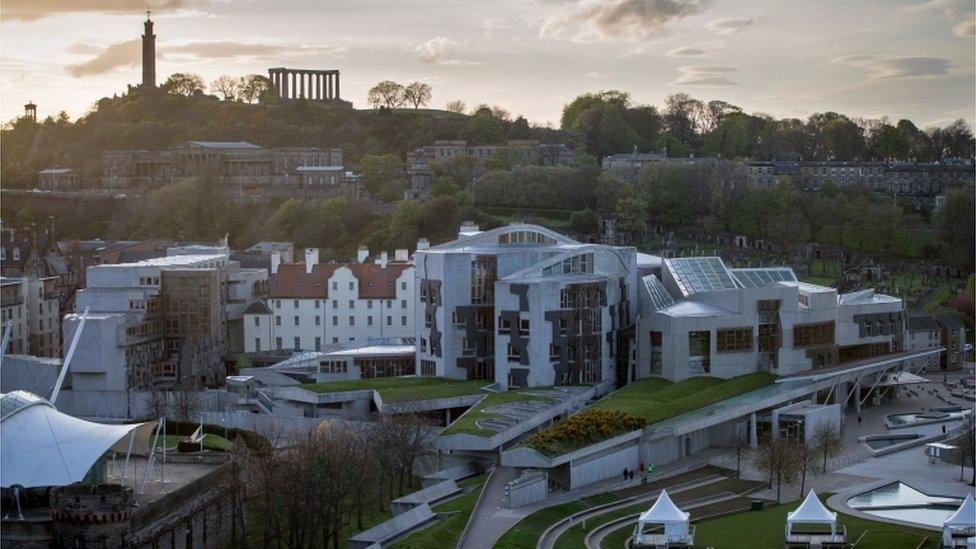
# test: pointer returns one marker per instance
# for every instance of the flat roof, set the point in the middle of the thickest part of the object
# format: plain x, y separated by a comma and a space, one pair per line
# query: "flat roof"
166, 261
376, 350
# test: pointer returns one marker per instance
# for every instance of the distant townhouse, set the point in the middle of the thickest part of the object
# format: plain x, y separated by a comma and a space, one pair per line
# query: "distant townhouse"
954, 341
525, 306
924, 183
421, 162
924, 333
313, 305
238, 165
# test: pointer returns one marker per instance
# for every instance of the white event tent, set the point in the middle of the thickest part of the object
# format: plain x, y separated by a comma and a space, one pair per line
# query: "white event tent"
811, 511
40, 446
664, 512
963, 521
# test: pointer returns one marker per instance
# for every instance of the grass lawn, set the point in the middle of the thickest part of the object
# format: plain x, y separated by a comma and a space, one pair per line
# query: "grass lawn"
210, 442
466, 423
403, 389
656, 399
766, 529
445, 533
526, 533
553, 219
934, 306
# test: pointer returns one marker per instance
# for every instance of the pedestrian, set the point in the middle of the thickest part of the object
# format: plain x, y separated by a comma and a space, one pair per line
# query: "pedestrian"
625, 473
858, 419
631, 474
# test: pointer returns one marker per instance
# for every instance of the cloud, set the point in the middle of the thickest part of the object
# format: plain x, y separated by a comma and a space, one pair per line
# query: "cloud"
704, 75
730, 26
686, 52
439, 50
959, 14
129, 53
121, 55
32, 10
631, 20
884, 67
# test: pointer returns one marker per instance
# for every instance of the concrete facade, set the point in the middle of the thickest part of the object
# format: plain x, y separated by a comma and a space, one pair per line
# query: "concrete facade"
524, 306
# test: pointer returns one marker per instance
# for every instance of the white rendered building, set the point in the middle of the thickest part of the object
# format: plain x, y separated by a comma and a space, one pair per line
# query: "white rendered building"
706, 319
525, 306
312, 305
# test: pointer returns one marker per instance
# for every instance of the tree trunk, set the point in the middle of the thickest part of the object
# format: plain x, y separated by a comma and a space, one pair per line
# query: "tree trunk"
803, 482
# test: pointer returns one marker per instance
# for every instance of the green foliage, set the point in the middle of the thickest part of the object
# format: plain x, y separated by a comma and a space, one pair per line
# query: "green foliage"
581, 429
467, 423
584, 221
378, 170
556, 187
446, 532
957, 223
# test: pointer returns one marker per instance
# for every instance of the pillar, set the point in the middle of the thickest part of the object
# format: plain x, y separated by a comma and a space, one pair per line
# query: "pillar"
753, 436
321, 81
337, 85
284, 85
857, 396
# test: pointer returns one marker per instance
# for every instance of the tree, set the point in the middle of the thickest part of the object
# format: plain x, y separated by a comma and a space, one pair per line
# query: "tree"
228, 87
738, 448
827, 442
186, 84
256, 87
967, 448
584, 221
457, 106
778, 458
417, 94
378, 170
186, 402
387, 94
632, 215
806, 461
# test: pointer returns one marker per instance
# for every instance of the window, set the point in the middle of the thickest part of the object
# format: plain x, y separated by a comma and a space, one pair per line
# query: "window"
335, 321
352, 285
403, 321
699, 349
456, 320
369, 321
352, 303
335, 340
389, 321
298, 343
513, 352
428, 368
277, 304
403, 285
524, 326
278, 343
403, 303
467, 348
733, 340
318, 320
428, 319
811, 335
318, 343
333, 366
352, 321
369, 304
423, 345
257, 344
296, 304
656, 356
257, 321
335, 303
318, 304
504, 325
296, 320
277, 320
563, 326
553, 352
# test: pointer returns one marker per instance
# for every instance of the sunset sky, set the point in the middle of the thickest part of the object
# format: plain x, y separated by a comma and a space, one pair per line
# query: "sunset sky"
902, 59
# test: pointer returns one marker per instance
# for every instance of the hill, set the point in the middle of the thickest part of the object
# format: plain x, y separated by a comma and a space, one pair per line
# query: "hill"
159, 121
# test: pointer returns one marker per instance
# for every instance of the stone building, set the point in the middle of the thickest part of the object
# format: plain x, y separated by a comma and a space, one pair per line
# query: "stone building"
235, 165
422, 162
58, 179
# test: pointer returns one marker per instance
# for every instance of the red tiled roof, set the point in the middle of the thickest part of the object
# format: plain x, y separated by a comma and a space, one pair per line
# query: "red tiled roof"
291, 282
376, 282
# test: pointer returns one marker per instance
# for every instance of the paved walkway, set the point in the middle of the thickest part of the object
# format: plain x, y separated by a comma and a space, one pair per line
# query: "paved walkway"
486, 525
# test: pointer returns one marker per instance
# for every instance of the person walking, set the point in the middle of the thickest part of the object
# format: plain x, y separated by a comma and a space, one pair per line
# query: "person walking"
625, 473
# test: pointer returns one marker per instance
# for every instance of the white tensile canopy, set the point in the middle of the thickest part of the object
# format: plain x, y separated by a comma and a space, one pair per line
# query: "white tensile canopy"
40, 446
811, 511
963, 519
902, 378
666, 513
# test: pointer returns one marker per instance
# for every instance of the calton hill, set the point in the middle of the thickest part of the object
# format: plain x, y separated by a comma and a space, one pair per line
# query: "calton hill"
683, 206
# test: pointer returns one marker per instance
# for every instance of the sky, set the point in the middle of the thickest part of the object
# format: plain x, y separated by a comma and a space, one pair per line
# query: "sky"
786, 58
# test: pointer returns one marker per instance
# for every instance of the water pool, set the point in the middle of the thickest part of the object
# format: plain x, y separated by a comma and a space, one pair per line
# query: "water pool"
884, 442
900, 501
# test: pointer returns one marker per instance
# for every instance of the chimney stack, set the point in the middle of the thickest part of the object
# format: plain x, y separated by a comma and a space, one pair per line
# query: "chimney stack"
423, 244
275, 261
311, 259
362, 254
401, 255
383, 259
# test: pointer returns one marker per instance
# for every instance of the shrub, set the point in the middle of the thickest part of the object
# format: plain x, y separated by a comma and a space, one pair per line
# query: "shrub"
584, 428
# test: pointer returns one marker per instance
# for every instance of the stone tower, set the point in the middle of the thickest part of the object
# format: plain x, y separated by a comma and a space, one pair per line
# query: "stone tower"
148, 55
30, 111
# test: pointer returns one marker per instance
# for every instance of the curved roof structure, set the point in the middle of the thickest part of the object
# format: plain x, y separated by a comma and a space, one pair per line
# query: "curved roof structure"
40, 446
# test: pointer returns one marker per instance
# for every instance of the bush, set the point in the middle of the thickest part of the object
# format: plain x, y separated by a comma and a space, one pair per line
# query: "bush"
252, 440
584, 428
